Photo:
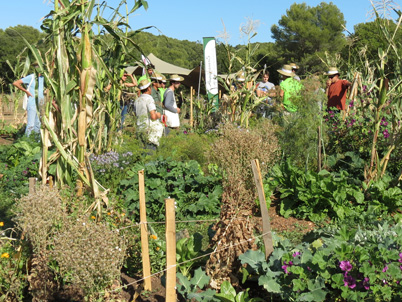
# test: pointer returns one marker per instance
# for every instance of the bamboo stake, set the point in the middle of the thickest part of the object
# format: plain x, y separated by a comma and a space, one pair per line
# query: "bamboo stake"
146, 265
266, 225
170, 251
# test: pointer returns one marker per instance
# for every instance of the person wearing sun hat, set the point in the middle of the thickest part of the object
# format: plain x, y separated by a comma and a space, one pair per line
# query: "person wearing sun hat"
295, 68
336, 89
149, 128
156, 79
163, 88
169, 102
290, 88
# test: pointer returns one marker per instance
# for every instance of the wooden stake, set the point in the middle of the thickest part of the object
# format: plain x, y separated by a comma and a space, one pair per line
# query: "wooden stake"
146, 264
266, 225
170, 251
191, 106
32, 183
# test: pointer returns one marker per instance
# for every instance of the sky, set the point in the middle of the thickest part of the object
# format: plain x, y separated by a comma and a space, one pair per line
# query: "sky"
193, 20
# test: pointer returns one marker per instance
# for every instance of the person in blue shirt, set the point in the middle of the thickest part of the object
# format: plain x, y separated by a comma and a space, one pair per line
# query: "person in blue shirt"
33, 86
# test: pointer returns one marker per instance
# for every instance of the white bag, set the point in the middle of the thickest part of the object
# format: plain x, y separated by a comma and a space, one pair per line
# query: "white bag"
155, 131
173, 119
24, 101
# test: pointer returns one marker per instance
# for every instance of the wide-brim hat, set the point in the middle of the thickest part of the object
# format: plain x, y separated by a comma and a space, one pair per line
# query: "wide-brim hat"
332, 71
144, 84
175, 78
240, 76
150, 66
156, 76
286, 71
294, 66
163, 79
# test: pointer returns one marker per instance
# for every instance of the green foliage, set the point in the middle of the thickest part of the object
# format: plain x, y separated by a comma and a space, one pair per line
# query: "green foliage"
196, 194
298, 133
12, 269
305, 31
188, 249
190, 288
19, 162
185, 146
12, 46
228, 294
352, 264
334, 195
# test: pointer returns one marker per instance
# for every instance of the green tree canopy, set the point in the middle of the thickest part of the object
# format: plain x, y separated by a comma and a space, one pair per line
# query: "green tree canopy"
12, 45
305, 32
368, 39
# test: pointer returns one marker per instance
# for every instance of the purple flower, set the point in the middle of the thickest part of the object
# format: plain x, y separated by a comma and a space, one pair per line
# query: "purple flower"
345, 266
185, 132
295, 254
366, 284
286, 265
25, 172
349, 281
385, 269
385, 133
400, 257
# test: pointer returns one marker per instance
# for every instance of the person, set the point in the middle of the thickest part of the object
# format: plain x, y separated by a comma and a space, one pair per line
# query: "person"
127, 83
156, 79
169, 102
150, 70
264, 87
163, 88
295, 68
149, 128
290, 88
336, 89
33, 83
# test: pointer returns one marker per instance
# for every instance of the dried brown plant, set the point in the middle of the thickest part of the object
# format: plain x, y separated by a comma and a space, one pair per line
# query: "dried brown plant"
233, 153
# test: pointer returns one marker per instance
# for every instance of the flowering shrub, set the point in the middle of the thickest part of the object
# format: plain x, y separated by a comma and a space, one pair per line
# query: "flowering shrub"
352, 265
110, 167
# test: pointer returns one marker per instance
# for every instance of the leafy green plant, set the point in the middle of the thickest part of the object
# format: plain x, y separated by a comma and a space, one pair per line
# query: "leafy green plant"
190, 288
349, 264
196, 194
228, 294
188, 251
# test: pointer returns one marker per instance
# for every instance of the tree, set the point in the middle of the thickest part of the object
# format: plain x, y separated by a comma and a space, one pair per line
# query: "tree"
12, 45
305, 32
368, 38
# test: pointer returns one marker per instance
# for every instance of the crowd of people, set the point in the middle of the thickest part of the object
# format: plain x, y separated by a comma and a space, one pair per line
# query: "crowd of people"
155, 103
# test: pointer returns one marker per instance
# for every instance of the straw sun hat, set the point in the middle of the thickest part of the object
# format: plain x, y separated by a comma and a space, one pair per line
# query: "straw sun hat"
332, 71
176, 78
286, 71
294, 66
144, 84
156, 76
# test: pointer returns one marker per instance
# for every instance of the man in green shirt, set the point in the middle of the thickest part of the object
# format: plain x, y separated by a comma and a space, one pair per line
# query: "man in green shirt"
156, 79
290, 88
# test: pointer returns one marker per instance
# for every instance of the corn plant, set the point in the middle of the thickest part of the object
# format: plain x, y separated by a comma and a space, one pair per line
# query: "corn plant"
75, 71
241, 101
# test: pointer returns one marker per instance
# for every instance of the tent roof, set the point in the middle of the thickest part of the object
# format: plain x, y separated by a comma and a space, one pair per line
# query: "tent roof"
162, 67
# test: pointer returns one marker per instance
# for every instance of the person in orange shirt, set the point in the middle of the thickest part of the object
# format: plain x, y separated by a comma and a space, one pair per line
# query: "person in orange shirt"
336, 89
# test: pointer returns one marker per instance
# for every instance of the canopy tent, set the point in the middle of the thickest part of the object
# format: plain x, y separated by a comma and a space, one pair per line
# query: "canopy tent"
160, 66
